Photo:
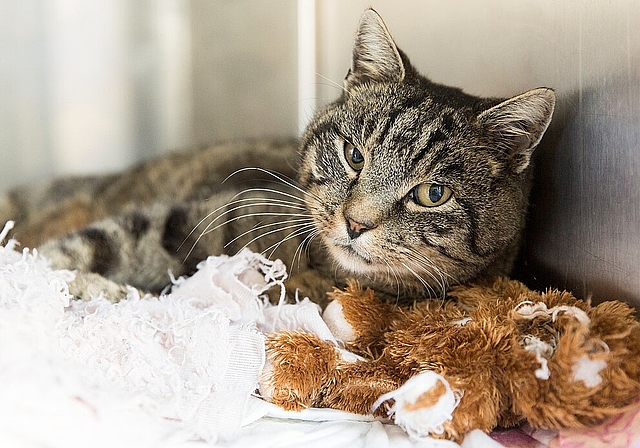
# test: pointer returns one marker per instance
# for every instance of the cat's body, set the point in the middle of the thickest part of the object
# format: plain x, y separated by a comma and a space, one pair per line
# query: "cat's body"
407, 185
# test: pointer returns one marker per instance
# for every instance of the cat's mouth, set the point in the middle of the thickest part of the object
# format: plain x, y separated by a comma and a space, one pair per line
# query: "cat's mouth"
350, 250
353, 255
352, 258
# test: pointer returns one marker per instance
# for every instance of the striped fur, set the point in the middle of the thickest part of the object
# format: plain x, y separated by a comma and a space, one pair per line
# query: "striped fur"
336, 221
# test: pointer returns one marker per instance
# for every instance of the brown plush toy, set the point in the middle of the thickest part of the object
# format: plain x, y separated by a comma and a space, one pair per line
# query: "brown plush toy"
488, 355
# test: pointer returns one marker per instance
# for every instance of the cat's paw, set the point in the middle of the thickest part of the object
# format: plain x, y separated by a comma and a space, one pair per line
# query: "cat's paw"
87, 285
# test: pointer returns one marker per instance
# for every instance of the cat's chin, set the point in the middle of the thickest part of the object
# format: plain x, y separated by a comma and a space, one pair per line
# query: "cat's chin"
353, 261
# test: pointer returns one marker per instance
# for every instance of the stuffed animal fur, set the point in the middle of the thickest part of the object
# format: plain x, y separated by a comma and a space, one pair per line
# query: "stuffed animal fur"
489, 355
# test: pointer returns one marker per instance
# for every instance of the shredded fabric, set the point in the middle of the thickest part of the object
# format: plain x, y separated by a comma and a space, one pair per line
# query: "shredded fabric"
461, 322
588, 370
530, 310
175, 361
543, 350
420, 421
179, 370
170, 371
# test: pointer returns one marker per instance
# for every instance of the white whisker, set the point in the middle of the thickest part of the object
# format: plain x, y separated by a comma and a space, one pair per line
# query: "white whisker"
208, 229
278, 176
429, 268
267, 202
420, 279
272, 232
299, 201
304, 245
393, 272
333, 83
306, 220
301, 231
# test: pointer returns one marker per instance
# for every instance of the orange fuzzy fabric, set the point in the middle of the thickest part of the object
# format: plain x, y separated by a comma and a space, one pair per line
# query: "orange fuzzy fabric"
507, 353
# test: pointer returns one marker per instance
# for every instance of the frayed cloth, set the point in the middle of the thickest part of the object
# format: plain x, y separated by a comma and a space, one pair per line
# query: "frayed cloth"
188, 360
179, 370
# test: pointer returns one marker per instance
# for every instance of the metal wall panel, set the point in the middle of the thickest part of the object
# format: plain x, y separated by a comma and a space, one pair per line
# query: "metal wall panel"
244, 69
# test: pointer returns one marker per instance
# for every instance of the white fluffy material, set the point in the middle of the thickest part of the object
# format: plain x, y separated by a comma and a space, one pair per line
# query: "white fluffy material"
173, 371
420, 422
333, 315
588, 370
179, 366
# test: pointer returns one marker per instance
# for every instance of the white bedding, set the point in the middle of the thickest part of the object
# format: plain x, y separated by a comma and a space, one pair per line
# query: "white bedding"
174, 371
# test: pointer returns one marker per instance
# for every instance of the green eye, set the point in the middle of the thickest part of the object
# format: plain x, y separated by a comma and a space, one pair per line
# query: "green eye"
430, 195
354, 157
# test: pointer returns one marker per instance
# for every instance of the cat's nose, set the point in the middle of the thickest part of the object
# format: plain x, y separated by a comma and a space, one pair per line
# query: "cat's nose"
355, 228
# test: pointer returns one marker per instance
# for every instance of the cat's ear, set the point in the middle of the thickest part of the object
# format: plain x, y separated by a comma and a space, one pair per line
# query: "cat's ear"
518, 124
375, 55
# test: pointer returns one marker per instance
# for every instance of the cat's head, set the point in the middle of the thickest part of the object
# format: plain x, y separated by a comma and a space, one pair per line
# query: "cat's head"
414, 184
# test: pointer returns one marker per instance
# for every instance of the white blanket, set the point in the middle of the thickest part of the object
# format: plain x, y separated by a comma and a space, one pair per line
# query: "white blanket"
175, 371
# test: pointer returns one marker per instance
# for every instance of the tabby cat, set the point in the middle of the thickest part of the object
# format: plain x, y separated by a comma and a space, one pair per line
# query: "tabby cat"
405, 184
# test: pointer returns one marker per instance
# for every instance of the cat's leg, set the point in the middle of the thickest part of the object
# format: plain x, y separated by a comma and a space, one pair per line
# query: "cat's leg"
137, 248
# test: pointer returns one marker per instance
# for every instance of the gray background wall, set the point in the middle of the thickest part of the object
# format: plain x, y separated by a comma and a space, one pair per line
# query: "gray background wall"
94, 85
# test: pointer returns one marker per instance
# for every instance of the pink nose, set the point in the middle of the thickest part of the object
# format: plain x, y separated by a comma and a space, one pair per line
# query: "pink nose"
355, 229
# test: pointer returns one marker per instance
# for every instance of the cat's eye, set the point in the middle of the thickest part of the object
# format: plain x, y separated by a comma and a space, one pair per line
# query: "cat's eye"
430, 194
354, 157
